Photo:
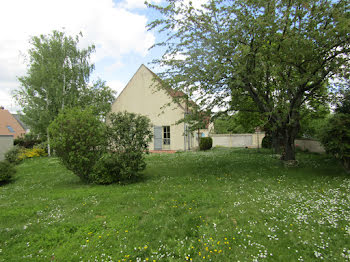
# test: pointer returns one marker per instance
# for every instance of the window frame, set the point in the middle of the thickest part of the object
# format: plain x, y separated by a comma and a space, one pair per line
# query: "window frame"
166, 135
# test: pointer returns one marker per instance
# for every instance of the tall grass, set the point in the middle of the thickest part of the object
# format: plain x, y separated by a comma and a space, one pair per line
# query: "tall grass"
221, 205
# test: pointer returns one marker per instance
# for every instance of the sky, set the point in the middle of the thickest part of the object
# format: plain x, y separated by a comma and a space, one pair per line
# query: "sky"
116, 28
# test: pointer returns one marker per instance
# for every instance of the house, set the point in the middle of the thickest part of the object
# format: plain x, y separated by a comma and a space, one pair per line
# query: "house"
9, 130
9, 124
145, 95
18, 117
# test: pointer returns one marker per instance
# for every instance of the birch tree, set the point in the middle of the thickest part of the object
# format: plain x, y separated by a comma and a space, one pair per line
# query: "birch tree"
57, 77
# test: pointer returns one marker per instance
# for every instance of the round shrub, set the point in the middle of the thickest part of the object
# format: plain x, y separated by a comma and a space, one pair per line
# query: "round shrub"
7, 171
12, 154
106, 170
78, 137
205, 143
117, 167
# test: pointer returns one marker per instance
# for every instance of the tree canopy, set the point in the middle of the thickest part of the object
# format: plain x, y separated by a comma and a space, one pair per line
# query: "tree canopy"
268, 56
57, 78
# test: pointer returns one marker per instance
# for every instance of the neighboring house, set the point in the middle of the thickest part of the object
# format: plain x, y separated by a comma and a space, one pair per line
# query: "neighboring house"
9, 130
9, 124
145, 95
18, 118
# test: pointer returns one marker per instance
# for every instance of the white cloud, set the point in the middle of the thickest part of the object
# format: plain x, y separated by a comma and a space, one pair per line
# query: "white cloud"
115, 30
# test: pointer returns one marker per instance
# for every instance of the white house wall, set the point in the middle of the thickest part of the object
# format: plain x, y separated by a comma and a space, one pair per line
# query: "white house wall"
141, 96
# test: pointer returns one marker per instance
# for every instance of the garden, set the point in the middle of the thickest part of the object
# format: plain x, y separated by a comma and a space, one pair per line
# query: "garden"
217, 205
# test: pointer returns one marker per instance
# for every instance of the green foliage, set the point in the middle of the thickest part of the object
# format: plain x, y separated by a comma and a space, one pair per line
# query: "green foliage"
205, 143
128, 136
336, 137
241, 122
78, 138
25, 153
118, 167
7, 171
265, 56
12, 155
97, 152
57, 78
27, 141
128, 132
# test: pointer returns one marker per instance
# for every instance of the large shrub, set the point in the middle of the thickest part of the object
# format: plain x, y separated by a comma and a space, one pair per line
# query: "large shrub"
7, 171
78, 138
128, 136
205, 143
98, 152
336, 138
27, 141
12, 154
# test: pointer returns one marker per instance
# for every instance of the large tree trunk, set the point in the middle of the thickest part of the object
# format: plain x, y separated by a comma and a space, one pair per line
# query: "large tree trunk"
290, 131
288, 148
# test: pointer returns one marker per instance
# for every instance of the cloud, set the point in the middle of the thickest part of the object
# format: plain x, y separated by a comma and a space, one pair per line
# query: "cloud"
115, 30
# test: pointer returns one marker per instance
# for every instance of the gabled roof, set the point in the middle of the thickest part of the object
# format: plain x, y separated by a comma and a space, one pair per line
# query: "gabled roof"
9, 125
173, 93
18, 118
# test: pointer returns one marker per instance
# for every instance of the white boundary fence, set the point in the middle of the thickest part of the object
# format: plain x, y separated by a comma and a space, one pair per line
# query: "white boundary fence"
254, 141
309, 145
238, 140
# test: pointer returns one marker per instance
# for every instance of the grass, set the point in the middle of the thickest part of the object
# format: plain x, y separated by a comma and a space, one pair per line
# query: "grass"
221, 205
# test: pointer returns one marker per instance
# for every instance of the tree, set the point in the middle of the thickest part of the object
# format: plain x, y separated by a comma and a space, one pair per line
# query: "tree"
240, 122
278, 54
335, 134
57, 77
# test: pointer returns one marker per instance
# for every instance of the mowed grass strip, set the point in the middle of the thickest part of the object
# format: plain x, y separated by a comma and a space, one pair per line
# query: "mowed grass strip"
220, 205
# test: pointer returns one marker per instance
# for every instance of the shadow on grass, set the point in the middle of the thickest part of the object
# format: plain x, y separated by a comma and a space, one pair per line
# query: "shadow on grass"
78, 183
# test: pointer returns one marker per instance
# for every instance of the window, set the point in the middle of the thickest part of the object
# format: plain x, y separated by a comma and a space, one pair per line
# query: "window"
166, 135
10, 129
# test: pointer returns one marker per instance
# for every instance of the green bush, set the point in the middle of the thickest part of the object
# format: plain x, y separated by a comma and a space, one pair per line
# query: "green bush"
12, 155
78, 138
205, 143
7, 171
128, 136
117, 167
335, 138
27, 141
100, 153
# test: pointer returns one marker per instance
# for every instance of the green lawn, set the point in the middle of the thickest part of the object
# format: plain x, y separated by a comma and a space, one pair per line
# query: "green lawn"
221, 205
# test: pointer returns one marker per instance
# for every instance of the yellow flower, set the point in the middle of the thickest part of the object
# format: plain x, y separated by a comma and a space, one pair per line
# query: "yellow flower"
87, 241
